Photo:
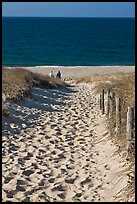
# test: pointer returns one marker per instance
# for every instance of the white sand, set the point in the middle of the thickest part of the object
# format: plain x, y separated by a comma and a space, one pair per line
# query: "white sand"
56, 147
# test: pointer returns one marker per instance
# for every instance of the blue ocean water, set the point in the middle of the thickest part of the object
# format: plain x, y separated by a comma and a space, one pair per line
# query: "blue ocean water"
36, 41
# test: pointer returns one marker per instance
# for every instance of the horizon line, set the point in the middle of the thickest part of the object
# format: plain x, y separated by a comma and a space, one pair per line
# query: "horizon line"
70, 16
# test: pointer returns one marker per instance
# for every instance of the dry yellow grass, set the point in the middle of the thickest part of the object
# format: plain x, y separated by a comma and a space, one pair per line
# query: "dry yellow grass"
123, 85
17, 83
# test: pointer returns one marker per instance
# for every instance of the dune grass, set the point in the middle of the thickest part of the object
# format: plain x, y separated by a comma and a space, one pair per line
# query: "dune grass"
123, 85
17, 83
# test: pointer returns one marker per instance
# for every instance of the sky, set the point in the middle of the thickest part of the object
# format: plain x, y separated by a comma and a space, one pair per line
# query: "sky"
69, 9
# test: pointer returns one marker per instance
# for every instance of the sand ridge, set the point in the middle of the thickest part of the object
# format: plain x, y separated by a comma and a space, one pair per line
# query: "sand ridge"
59, 149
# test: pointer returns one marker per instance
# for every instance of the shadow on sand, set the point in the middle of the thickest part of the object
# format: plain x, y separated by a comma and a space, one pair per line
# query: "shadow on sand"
31, 108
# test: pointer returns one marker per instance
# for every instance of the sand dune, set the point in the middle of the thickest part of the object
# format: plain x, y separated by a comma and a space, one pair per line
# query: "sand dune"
56, 147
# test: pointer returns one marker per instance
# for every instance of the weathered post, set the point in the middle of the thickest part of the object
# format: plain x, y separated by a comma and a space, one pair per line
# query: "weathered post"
102, 101
130, 128
130, 122
118, 115
112, 104
108, 102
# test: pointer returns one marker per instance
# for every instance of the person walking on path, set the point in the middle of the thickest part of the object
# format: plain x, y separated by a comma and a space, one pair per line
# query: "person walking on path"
51, 74
58, 75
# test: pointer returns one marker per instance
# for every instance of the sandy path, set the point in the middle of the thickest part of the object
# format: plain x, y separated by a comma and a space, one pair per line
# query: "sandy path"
59, 149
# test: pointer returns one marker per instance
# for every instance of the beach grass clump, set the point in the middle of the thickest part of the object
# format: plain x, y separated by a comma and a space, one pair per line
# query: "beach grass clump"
44, 81
17, 83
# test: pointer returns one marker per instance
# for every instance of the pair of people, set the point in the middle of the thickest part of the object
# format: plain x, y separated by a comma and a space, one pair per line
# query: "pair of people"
58, 75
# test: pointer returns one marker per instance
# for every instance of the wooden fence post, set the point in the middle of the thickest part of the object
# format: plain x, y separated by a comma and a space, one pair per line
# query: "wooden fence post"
102, 101
130, 128
118, 115
108, 102
112, 104
130, 122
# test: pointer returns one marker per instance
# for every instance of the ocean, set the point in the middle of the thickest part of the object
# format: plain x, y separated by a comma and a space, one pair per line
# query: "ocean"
43, 41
